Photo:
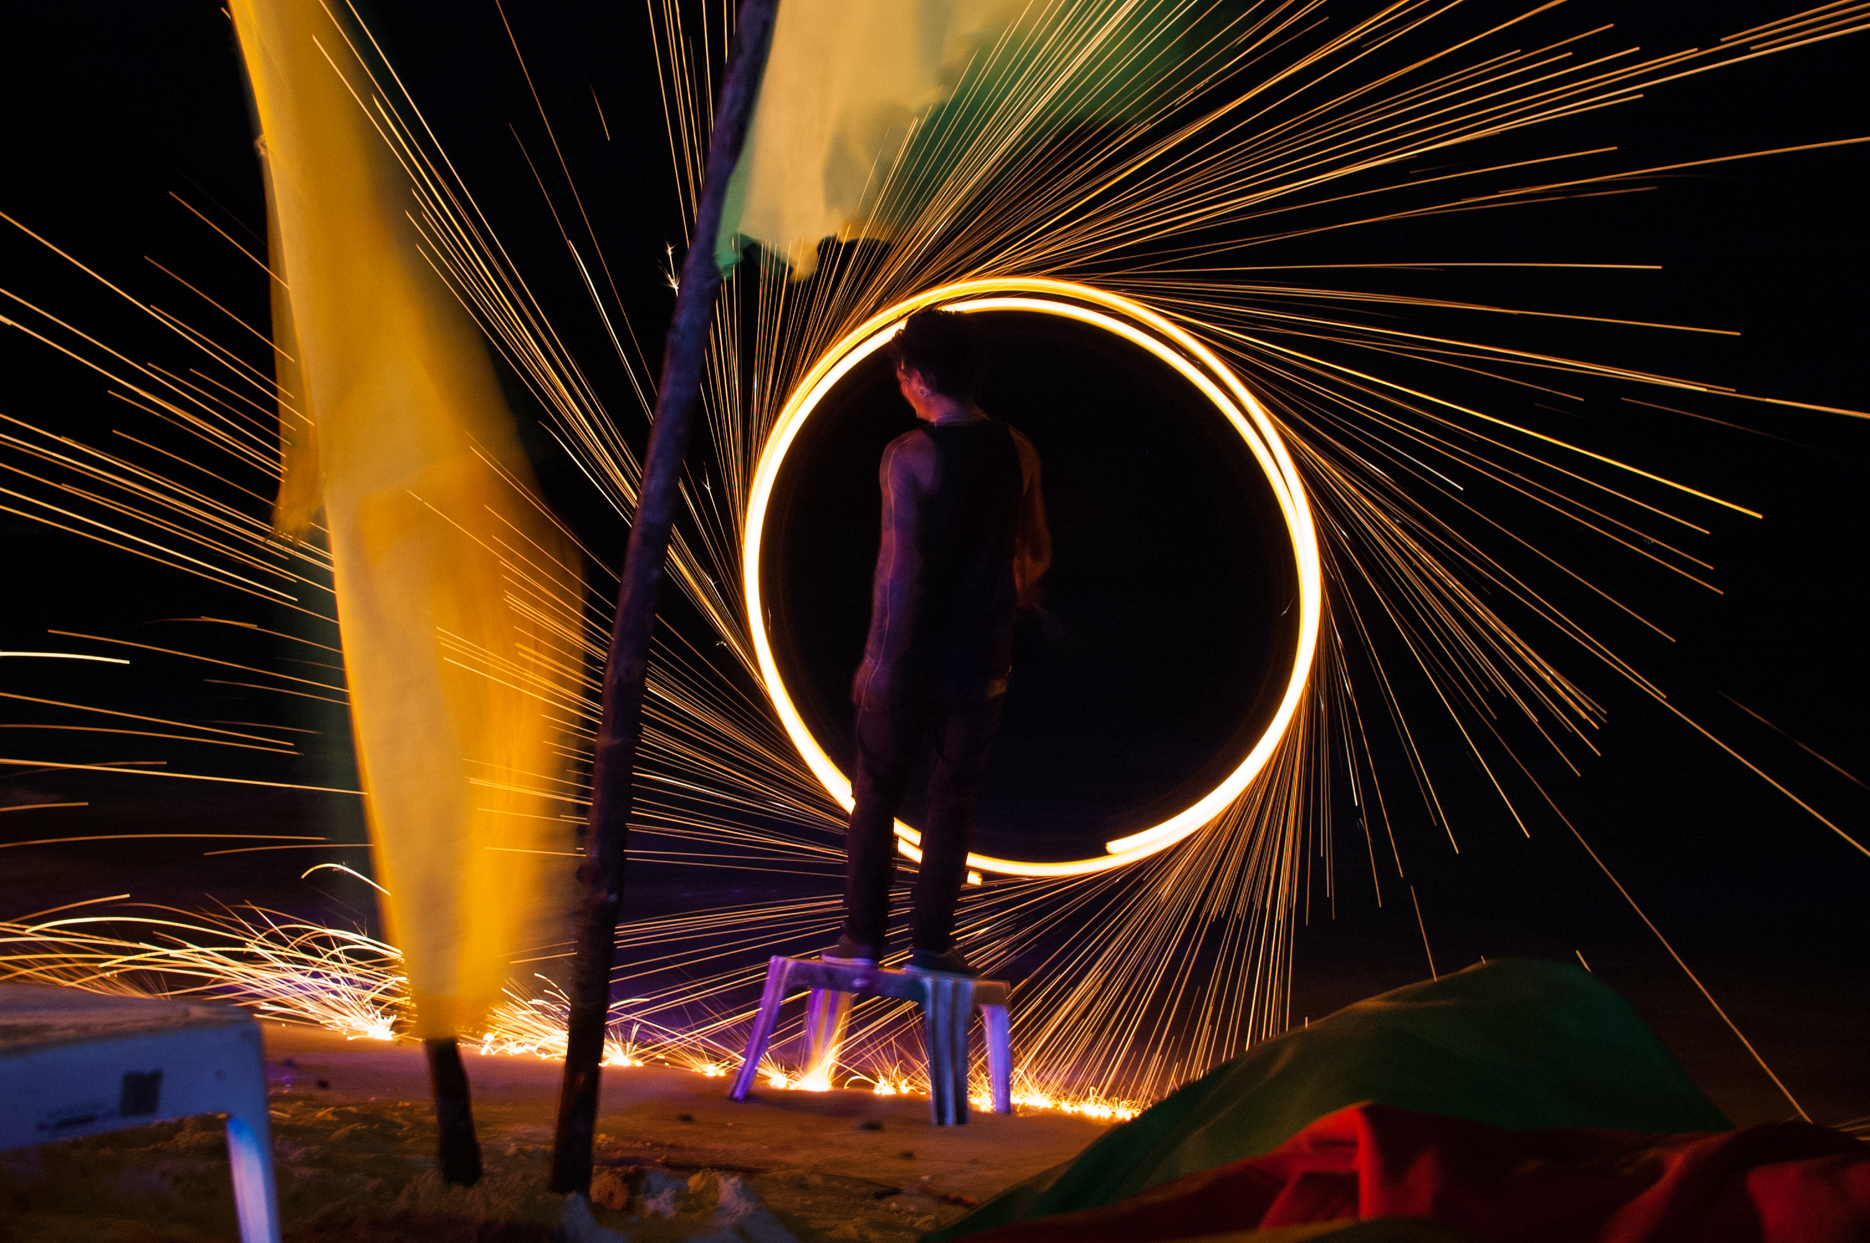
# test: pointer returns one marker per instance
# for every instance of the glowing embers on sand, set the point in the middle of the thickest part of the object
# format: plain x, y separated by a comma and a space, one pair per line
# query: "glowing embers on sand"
1126, 320
281, 968
290, 971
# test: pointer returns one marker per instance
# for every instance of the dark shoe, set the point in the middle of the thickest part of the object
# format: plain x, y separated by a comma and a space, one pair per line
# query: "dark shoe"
849, 953
941, 962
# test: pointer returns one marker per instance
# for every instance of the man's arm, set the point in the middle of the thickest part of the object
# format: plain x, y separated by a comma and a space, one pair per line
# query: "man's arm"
1032, 546
896, 592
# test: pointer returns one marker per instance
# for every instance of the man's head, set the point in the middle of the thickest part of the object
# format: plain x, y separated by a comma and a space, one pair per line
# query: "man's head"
944, 349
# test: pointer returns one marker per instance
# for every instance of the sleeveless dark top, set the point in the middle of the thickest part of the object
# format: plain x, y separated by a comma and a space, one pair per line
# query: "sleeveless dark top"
963, 642
950, 628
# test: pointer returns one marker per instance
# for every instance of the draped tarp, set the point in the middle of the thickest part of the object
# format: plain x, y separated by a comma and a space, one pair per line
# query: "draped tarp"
392, 423
1420, 1178
1514, 1044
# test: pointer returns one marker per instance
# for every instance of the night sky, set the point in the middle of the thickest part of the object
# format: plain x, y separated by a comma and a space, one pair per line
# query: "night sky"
109, 112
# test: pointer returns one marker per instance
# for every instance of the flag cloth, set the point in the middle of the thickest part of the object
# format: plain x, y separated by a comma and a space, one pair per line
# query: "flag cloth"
1512, 1043
843, 82
871, 110
392, 423
1409, 1176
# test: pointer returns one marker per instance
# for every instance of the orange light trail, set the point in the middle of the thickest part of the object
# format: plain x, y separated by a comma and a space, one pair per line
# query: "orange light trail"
1197, 364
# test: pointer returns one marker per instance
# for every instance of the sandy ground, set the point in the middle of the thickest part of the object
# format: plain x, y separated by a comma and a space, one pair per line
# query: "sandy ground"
354, 1144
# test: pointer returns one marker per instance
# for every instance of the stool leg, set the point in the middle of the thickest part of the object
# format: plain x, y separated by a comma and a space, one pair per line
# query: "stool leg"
960, 1016
999, 1057
250, 1146
947, 1006
250, 1155
776, 971
826, 1016
935, 1037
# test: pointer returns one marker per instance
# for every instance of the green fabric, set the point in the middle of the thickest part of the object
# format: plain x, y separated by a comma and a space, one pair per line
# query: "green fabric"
1099, 61
1513, 1043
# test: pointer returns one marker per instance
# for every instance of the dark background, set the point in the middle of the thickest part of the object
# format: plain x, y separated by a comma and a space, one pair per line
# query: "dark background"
110, 110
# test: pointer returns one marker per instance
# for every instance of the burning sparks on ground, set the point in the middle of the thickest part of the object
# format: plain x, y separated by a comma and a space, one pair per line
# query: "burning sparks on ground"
282, 969
1090, 1107
351, 984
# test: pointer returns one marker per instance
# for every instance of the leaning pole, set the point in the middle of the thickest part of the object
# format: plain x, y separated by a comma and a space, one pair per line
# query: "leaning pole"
627, 665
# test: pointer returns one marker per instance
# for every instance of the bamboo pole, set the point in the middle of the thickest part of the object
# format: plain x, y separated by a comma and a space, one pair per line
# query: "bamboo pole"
454, 1113
628, 662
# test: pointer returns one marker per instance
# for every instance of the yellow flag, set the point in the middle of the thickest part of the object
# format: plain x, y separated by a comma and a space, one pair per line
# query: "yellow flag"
390, 414
871, 110
844, 82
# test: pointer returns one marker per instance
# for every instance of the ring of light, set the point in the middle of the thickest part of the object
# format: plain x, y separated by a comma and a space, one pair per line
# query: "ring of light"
1199, 365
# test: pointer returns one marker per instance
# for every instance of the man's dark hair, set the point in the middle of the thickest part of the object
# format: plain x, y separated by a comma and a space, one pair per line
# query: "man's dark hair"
946, 347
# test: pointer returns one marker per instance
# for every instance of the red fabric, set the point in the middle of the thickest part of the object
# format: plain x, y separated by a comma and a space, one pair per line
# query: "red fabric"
1783, 1183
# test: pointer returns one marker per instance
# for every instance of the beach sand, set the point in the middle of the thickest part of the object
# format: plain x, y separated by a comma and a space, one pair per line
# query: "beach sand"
354, 1140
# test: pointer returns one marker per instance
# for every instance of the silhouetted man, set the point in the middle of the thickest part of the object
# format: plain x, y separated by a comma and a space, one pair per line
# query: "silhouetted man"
964, 544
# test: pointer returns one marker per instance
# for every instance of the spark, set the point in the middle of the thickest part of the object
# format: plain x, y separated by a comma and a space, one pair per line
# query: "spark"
127, 837
339, 867
105, 660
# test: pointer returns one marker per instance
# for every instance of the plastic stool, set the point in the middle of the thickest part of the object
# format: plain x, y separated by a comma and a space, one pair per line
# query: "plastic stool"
78, 1063
947, 1001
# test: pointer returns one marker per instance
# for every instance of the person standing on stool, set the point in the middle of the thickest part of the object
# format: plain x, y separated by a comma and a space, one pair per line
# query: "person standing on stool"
964, 545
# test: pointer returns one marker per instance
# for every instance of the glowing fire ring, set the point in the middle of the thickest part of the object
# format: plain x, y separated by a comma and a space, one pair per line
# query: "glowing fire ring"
1144, 327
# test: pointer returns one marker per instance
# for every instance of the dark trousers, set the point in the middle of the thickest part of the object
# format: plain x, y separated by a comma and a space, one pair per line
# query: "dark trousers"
887, 744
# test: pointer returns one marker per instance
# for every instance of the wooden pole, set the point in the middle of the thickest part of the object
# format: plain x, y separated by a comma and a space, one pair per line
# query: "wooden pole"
454, 1114
627, 666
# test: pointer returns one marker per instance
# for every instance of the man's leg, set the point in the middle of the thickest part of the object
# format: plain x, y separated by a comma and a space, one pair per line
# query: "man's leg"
963, 735
886, 744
